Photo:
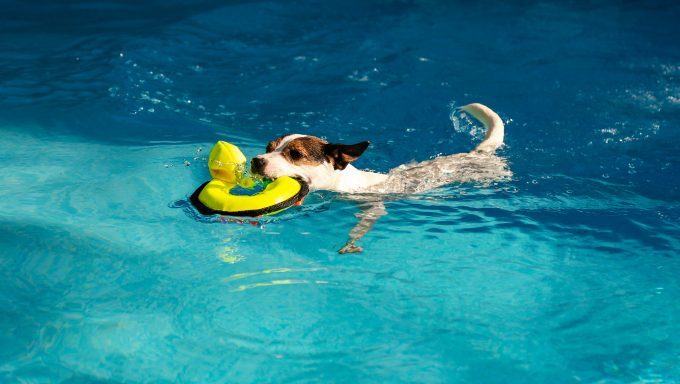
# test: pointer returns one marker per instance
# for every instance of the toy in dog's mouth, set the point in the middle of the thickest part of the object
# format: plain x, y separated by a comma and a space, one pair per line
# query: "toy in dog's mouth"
264, 179
258, 178
258, 171
232, 190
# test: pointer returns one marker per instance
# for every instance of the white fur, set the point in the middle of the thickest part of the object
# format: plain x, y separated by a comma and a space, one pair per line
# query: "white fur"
286, 140
318, 177
495, 129
323, 176
352, 180
480, 165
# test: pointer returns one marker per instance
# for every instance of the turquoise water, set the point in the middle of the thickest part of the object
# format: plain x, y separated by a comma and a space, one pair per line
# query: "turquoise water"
566, 273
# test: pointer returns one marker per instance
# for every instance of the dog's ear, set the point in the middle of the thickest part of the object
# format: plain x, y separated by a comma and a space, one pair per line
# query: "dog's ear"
271, 146
340, 154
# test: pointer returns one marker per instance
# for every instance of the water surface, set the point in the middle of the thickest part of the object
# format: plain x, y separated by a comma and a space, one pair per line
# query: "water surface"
567, 272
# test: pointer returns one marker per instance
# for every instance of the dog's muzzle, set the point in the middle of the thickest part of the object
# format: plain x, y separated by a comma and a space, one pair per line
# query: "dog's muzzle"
257, 165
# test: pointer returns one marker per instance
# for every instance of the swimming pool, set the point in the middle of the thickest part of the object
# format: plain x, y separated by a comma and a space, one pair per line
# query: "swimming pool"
566, 273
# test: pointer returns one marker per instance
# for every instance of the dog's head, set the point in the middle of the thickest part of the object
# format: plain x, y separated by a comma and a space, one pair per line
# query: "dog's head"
310, 158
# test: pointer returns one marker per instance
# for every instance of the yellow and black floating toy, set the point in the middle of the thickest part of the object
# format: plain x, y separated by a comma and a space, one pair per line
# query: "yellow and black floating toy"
227, 165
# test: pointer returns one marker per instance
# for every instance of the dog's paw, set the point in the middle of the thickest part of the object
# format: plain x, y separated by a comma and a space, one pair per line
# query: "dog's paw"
350, 248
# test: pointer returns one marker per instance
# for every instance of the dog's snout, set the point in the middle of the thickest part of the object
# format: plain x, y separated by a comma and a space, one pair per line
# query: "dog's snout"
257, 165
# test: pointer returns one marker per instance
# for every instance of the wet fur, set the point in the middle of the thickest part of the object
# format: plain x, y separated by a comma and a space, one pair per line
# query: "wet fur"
327, 166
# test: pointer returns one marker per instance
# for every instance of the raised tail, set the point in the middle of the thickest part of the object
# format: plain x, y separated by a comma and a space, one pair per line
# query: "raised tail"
495, 129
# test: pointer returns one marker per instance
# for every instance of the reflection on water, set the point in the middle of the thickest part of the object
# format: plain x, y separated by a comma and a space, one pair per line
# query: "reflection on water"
239, 276
273, 283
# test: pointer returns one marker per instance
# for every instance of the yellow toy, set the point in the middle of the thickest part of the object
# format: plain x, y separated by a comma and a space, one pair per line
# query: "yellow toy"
227, 166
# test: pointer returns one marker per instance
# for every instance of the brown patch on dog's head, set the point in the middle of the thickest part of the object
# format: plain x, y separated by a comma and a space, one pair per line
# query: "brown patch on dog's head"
307, 157
271, 146
308, 150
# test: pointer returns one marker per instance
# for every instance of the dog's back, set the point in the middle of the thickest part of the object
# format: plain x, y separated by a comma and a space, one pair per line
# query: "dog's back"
479, 165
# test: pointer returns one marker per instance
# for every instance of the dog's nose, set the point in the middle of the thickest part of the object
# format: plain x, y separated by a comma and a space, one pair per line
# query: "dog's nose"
257, 165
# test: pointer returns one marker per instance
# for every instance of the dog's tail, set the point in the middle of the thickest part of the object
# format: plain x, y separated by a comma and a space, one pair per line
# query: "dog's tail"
495, 129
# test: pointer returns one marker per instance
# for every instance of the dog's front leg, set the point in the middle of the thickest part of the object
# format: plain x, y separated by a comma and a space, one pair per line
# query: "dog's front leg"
370, 213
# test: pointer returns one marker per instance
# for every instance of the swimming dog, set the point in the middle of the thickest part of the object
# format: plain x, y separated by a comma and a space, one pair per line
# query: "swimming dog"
327, 166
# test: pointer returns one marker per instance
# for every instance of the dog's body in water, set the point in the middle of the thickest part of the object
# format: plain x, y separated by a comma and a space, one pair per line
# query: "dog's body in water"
326, 166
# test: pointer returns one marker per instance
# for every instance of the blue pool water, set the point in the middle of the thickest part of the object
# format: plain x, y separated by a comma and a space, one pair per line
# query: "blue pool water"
567, 273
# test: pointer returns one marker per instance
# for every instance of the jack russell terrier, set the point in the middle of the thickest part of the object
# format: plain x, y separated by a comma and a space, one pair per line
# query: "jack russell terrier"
326, 166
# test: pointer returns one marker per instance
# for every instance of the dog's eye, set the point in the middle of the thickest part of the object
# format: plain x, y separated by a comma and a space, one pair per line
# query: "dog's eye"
295, 154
